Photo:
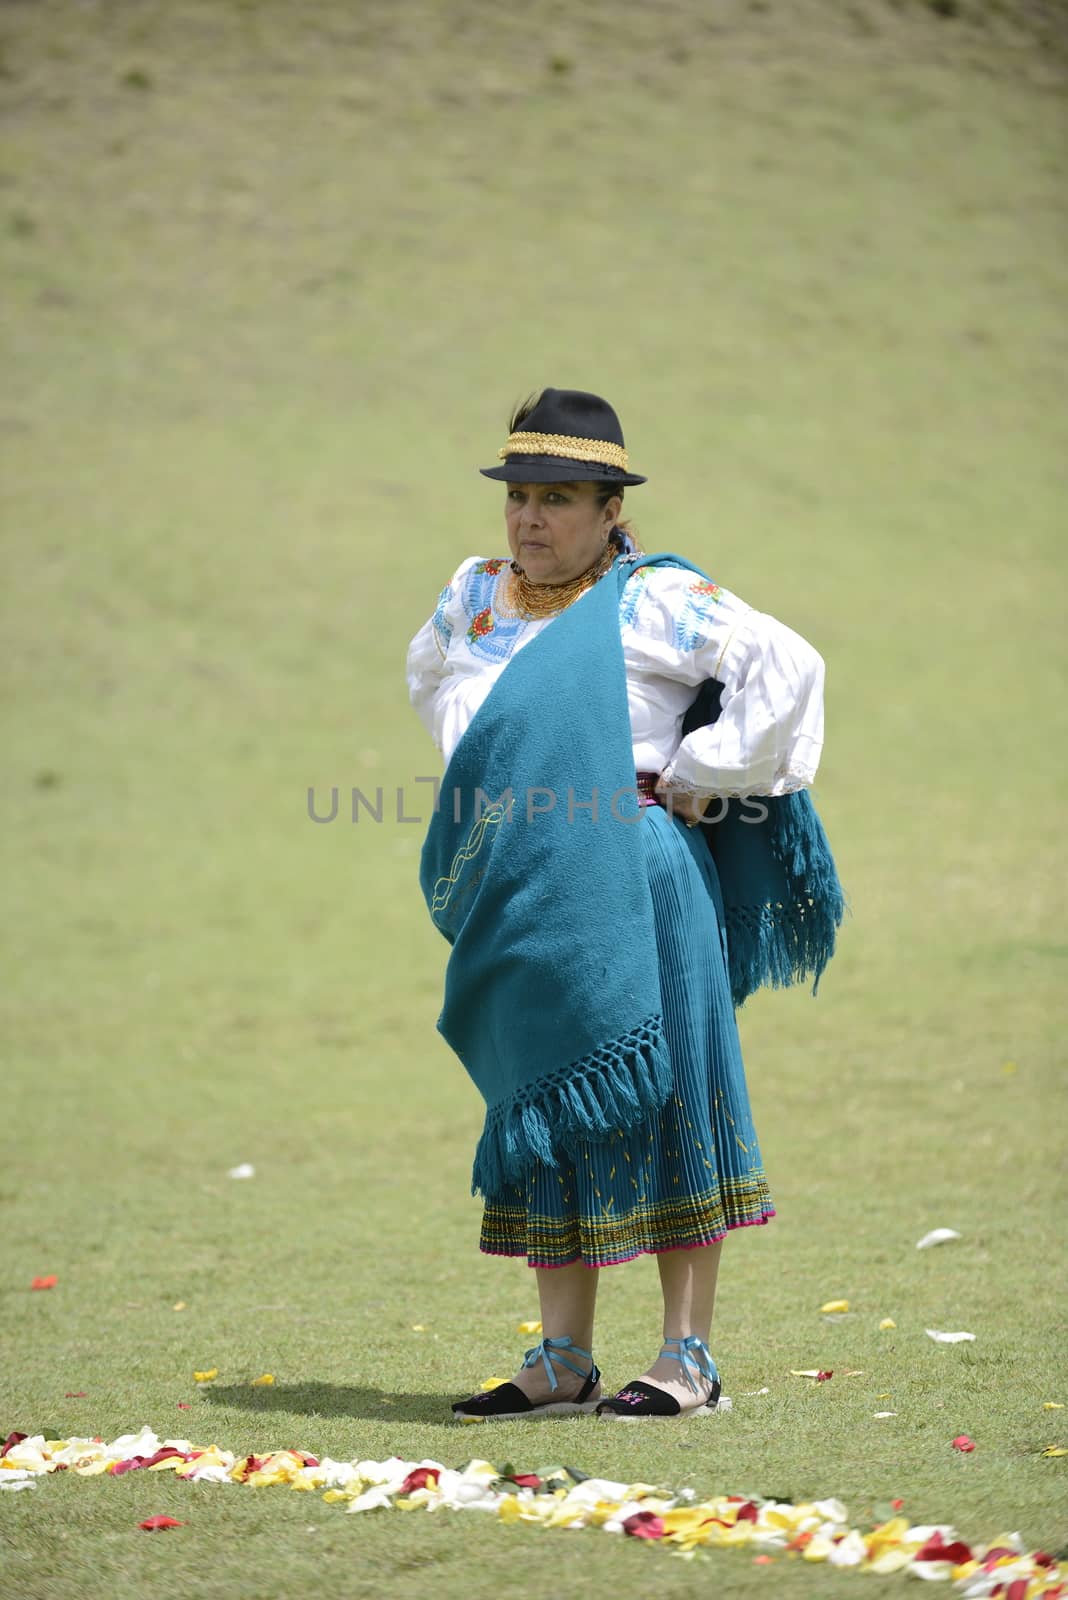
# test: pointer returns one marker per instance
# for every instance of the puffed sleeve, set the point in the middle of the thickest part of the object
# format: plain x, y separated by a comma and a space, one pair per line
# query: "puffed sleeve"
427, 666
769, 734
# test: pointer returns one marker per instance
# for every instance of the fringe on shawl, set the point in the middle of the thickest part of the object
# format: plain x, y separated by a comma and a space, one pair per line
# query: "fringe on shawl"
615, 1086
792, 939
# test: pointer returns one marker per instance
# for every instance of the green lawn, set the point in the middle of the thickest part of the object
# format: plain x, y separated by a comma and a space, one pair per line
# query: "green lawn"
273, 278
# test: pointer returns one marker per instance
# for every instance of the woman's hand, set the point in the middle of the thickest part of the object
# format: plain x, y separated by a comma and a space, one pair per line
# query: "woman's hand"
683, 803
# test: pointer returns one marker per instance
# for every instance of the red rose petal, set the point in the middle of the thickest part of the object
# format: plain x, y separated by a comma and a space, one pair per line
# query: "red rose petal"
419, 1478
762, 1561
75, 1394
748, 1512
964, 1444
130, 1465
12, 1439
165, 1453
934, 1550
644, 1525
526, 1480
155, 1524
45, 1283
183, 1405
821, 1377
895, 1505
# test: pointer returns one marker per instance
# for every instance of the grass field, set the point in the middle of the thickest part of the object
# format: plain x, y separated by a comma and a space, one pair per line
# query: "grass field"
273, 278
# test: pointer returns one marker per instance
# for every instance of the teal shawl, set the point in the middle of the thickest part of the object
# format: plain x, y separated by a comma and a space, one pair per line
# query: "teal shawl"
533, 870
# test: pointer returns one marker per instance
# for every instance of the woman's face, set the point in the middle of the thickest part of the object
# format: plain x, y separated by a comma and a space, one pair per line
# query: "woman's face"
557, 530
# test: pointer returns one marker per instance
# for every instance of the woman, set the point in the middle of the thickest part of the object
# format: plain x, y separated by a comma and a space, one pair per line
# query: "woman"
595, 959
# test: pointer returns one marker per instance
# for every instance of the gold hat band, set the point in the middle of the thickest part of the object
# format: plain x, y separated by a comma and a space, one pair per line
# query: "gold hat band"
603, 451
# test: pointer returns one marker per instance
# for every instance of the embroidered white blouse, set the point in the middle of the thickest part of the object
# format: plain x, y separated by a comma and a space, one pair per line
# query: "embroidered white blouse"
678, 630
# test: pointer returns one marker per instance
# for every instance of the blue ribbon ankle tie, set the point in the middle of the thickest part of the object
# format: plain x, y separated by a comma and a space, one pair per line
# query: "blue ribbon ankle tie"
549, 1350
693, 1355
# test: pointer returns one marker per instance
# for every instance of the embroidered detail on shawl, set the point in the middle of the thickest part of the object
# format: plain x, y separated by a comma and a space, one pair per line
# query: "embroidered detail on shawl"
490, 818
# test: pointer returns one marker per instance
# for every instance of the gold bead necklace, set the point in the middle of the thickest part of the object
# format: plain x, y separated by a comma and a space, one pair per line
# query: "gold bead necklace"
523, 598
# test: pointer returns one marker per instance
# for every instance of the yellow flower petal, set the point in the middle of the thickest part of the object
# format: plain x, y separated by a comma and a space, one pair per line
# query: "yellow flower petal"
833, 1306
887, 1322
419, 1327
1055, 1450
529, 1327
264, 1382
208, 1376
1052, 1405
179, 1305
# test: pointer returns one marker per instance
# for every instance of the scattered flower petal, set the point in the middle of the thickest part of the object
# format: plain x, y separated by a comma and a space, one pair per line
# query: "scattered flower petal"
887, 1322
964, 1444
244, 1170
948, 1338
48, 1282
529, 1327
822, 1377
833, 1306
183, 1405
936, 1236
419, 1327
880, 1415
644, 1525
157, 1524
75, 1394
747, 1394
208, 1376
561, 1497
179, 1305
264, 1382
763, 1561
1055, 1450
1053, 1405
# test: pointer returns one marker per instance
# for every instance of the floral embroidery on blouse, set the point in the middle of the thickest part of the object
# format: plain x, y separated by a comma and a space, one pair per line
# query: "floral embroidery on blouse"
632, 596
480, 626
694, 623
442, 625
490, 637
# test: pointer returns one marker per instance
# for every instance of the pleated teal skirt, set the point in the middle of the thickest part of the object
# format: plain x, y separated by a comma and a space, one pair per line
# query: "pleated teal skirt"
695, 1172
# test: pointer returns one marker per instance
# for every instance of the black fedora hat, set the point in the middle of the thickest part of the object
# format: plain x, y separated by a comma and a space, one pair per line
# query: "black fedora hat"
568, 437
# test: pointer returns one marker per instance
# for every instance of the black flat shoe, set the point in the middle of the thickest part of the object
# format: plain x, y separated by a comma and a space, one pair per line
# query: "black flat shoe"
642, 1399
507, 1402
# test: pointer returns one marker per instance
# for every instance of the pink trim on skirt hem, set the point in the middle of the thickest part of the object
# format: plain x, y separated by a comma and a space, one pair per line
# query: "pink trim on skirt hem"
618, 1261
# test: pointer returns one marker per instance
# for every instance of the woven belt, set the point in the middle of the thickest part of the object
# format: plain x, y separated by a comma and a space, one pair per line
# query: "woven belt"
646, 782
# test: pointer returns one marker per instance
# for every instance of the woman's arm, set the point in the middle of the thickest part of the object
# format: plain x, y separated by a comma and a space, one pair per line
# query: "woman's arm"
432, 685
768, 736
